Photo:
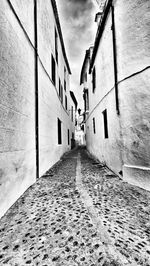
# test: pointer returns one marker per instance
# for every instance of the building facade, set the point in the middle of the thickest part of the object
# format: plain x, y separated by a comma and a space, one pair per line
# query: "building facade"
73, 117
117, 80
35, 95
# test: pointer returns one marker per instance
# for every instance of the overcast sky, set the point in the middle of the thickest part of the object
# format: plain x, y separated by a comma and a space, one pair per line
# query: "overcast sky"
78, 28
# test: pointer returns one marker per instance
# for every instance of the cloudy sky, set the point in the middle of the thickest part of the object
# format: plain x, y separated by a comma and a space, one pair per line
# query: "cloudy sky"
78, 27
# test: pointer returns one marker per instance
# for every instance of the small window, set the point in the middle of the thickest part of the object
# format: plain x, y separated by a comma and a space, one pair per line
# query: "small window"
64, 85
105, 124
72, 135
64, 78
66, 102
94, 79
61, 93
85, 77
56, 46
53, 70
59, 131
94, 130
59, 88
72, 113
68, 137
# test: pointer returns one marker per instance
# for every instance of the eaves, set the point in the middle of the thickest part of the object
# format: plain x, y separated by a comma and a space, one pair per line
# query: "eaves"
60, 34
100, 30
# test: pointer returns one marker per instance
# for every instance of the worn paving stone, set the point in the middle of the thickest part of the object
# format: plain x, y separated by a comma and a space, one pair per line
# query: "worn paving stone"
51, 224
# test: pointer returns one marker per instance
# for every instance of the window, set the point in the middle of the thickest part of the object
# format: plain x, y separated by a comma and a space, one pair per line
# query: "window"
64, 78
87, 102
105, 124
64, 85
53, 70
72, 135
56, 46
94, 130
59, 88
66, 102
61, 93
59, 131
68, 137
94, 79
86, 99
72, 113
85, 77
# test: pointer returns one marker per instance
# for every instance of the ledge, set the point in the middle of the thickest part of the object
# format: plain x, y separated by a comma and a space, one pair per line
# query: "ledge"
137, 175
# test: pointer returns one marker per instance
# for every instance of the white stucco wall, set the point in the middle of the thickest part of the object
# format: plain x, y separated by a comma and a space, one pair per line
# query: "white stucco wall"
106, 150
17, 125
133, 35
128, 145
50, 106
17, 101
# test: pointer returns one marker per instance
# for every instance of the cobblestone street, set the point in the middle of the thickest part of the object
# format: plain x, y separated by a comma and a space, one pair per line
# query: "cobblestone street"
78, 213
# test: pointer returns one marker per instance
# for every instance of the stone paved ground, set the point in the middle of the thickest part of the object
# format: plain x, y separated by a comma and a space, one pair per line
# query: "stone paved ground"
79, 213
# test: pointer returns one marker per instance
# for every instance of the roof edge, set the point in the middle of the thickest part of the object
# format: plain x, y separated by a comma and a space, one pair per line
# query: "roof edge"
100, 30
87, 55
73, 98
60, 34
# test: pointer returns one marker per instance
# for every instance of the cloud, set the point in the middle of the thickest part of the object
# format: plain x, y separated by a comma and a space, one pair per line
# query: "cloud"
78, 27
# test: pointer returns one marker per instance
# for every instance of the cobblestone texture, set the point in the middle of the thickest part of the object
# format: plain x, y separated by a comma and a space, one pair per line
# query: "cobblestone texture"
52, 225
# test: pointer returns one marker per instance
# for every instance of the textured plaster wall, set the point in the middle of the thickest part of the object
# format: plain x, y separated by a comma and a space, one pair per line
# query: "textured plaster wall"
50, 106
133, 56
106, 150
17, 125
17, 101
129, 133
133, 46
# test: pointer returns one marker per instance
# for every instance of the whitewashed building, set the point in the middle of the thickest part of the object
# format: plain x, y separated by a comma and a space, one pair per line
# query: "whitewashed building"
116, 93
35, 95
73, 117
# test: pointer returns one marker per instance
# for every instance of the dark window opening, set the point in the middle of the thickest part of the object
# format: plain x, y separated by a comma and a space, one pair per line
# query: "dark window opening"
82, 127
68, 137
94, 79
66, 102
94, 130
105, 124
72, 113
64, 85
53, 70
85, 77
61, 93
59, 131
64, 78
56, 46
59, 88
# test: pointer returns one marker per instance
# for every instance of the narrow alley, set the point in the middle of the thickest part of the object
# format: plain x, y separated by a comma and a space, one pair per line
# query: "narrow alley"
78, 213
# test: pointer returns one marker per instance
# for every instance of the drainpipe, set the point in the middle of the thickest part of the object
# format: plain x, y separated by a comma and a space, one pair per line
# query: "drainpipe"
36, 90
115, 59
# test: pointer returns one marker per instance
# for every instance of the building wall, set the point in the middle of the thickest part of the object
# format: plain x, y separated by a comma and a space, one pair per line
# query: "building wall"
128, 145
50, 106
133, 57
17, 101
106, 150
17, 124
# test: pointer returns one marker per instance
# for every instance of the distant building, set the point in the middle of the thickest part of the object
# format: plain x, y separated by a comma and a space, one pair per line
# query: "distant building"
73, 117
80, 130
115, 82
35, 126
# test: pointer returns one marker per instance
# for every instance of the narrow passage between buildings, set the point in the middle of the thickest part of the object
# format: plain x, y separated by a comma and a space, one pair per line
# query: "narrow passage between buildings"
78, 213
